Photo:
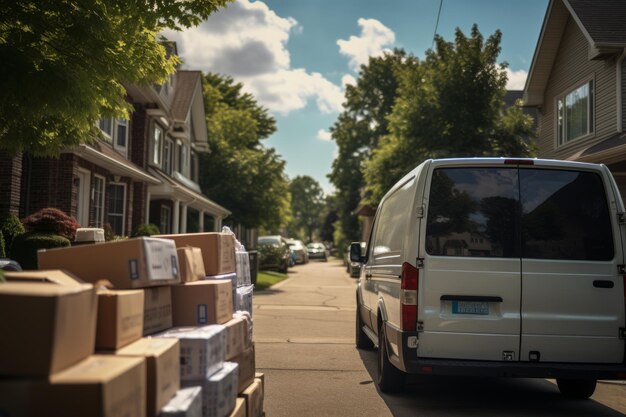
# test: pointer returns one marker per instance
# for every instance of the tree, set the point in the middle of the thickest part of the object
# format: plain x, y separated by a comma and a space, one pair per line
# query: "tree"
307, 204
239, 172
358, 130
450, 105
64, 64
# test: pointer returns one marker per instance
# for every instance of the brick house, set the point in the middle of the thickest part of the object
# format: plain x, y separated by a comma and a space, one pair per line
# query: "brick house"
142, 170
577, 82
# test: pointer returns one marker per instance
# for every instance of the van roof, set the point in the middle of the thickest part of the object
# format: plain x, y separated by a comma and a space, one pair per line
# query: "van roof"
464, 162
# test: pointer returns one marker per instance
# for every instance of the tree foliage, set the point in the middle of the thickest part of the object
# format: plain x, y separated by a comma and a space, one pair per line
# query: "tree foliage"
450, 105
64, 63
239, 172
307, 205
359, 129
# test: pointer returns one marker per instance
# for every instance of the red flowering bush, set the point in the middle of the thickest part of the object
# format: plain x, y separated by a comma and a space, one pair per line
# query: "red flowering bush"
51, 220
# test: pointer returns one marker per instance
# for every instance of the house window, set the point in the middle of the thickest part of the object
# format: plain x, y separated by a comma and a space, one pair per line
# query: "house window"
166, 220
116, 207
179, 156
106, 126
97, 196
157, 146
81, 185
168, 156
574, 112
121, 134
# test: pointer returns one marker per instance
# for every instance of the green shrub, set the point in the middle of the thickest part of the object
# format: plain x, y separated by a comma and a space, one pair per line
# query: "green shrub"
25, 247
145, 229
272, 257
3, 253
52, 221
10, 226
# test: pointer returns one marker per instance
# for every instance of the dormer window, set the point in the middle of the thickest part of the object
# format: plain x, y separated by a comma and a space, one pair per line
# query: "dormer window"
115, 131
574, 114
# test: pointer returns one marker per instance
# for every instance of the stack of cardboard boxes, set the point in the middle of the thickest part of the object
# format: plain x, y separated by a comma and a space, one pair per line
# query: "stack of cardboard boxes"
153, 318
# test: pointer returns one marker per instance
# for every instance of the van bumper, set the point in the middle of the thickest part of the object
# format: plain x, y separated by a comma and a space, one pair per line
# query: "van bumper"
407, 360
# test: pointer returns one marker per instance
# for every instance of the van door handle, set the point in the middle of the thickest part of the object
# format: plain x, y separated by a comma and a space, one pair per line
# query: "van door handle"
603, 283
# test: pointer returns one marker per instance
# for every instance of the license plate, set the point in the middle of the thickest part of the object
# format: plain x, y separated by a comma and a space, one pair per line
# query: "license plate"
470, 307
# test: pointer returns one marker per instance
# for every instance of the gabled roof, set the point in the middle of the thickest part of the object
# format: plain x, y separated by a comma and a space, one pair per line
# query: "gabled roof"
601, 21
187, 83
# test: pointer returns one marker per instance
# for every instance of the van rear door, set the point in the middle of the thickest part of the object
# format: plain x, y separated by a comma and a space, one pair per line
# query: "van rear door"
470, 285
572, 296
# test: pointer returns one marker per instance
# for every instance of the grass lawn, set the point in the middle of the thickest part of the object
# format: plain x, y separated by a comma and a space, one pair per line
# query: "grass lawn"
266, 279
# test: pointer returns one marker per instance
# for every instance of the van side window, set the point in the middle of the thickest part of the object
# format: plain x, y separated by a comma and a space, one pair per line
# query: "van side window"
565, 216
392, 222
473, 212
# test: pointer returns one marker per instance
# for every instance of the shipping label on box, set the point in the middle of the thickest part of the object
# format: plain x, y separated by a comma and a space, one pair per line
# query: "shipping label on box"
120, 318
163, 372
157, 309
202, 302
202, 350
219, 391
186, 403
48, 322
161, 259
191, 264
246, 362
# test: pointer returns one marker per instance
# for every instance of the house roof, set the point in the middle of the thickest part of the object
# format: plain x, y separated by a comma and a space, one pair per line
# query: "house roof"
187, 83
103, 155
172, 189
602, 23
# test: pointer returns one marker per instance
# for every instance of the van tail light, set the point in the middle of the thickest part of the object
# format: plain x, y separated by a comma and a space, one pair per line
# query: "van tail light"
408, 296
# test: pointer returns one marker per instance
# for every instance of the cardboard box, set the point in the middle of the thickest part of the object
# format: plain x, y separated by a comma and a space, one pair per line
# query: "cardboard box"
240, 408
48, 322
218, 249
219, 391
163, 370
247, 369
202, 302
186, 403
253, 394
120, 318
157, 310
99, 386
236, 337
260, 376
191, 264
132, 263
202, 350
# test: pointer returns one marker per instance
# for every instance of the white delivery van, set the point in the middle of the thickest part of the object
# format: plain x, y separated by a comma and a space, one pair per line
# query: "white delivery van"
496, 267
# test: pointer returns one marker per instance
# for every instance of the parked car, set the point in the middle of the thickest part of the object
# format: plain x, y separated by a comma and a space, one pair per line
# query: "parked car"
317, 251
274, 253
497, 267
300, 251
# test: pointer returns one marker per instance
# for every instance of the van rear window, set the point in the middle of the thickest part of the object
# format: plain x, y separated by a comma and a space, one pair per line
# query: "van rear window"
511, 212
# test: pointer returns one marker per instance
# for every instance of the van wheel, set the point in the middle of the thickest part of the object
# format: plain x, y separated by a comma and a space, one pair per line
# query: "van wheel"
390, 379
580, 389
362, 341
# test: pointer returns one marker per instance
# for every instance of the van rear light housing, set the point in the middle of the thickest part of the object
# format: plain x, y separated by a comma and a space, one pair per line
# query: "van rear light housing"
408, 297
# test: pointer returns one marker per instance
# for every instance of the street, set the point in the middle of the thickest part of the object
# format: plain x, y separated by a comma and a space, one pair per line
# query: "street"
304, 335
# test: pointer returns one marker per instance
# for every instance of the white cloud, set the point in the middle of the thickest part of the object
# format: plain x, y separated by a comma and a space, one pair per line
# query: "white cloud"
347, 79
247, 40
516, 79
374, 39
324, 135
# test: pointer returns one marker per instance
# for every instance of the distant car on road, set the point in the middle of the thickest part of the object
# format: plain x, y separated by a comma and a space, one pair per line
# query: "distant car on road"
317, 251
297, 247
274, 253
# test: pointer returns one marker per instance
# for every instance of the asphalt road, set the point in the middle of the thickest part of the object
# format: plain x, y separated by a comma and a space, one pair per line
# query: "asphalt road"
304, 334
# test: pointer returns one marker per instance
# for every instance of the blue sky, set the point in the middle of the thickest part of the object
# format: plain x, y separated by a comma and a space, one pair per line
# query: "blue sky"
295, 56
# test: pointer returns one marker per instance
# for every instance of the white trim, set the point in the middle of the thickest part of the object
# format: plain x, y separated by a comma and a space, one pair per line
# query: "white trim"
156, 126
98, 222
122, 149
124, 208
83, 196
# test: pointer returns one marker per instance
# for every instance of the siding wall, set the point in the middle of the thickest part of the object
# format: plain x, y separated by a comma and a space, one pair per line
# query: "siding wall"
624, 95
572, 67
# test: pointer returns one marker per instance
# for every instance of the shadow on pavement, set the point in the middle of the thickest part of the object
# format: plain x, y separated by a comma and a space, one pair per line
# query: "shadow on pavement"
474, 396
